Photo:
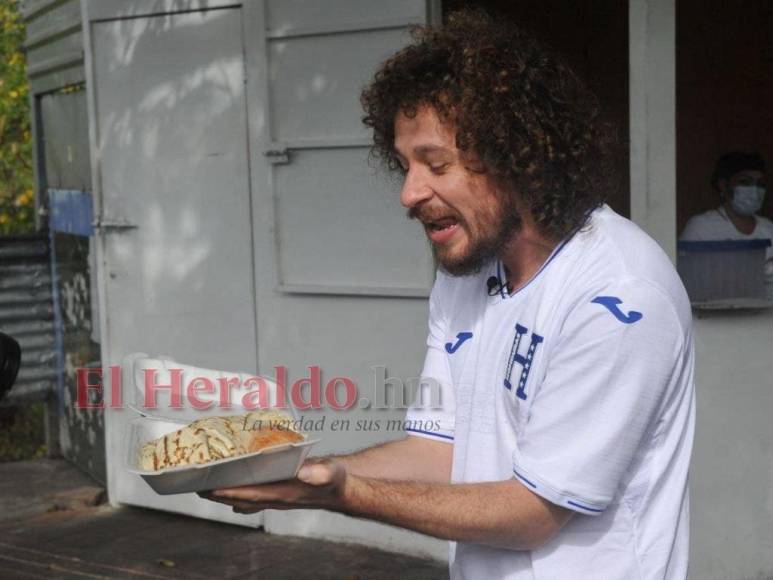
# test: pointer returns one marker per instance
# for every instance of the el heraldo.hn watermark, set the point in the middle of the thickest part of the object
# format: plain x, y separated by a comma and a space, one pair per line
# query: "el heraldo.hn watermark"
255, 392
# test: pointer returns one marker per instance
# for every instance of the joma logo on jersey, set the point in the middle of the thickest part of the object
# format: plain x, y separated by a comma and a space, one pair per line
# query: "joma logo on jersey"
461, 338
524, 360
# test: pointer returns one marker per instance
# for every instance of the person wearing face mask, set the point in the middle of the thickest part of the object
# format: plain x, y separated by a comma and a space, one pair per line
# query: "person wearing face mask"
739, 178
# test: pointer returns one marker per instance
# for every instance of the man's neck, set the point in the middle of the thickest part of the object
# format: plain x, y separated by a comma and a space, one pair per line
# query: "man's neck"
523, 256
743, 223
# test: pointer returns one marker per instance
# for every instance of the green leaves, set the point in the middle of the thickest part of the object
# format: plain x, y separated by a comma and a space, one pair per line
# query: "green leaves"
17, 200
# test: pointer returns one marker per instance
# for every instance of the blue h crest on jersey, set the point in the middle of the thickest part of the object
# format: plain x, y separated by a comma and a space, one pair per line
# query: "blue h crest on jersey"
524, 360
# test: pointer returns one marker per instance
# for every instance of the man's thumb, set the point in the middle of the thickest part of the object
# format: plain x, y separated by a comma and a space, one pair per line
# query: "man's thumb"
315, 474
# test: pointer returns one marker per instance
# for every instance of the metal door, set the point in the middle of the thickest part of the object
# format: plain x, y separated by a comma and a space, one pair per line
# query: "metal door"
175, 218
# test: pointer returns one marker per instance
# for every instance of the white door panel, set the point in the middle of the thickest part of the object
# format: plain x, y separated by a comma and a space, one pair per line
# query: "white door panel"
316, 82
173, 163
340, 227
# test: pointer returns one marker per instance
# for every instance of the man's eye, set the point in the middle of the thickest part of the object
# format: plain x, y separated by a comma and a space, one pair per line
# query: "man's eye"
438, 168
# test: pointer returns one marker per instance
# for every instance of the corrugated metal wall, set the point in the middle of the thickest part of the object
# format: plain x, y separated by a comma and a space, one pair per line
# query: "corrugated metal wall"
26, 312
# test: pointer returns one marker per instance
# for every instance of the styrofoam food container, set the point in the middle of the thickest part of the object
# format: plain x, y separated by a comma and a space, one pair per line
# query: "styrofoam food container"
267, 465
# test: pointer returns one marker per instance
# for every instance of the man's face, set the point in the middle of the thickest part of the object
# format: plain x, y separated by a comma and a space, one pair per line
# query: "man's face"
467, 221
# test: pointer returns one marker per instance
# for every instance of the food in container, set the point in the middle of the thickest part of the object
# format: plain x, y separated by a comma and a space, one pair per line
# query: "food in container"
214, 438
235, 449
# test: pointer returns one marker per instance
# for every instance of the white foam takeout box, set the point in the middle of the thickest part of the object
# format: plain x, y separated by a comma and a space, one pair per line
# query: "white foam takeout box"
271, 464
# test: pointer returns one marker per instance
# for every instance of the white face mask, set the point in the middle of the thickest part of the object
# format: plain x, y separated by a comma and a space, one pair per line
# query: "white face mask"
747, 199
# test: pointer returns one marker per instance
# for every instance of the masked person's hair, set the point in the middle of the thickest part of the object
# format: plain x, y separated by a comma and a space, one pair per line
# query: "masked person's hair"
731, 163
514, 105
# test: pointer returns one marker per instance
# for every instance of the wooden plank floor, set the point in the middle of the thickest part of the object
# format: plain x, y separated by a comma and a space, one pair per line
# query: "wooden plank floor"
84, 541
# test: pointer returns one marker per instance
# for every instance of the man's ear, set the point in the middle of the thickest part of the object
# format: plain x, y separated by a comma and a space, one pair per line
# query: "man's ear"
472, 162
723, 187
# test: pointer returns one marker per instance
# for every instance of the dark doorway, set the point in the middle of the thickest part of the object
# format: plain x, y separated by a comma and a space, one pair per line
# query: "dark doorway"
724, 91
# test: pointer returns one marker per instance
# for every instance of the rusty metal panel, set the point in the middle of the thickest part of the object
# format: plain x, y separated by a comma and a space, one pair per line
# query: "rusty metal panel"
26, 312
81, 430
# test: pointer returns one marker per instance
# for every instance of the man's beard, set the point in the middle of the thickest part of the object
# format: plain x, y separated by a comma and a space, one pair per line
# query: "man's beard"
484, 248
487, 244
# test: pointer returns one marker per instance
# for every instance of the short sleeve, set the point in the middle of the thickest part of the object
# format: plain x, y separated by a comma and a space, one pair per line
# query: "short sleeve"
709, 226
432, 412
699, 228
618, 357
688, 233
767, 229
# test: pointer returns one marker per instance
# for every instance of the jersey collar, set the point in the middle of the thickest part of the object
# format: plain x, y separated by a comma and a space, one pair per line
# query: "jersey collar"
503, 294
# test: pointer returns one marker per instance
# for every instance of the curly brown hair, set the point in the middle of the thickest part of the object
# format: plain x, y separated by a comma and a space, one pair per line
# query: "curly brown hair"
513, 103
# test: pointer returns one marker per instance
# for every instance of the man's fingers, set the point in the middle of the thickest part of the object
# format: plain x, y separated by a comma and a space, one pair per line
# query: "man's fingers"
267, 492
252, 508
242, 507
253, 493
208, 495
245, 506
315, 485
234, 503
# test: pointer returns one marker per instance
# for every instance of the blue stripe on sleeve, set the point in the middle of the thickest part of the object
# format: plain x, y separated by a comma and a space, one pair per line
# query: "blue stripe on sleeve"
568, 501
584, 507
524, 479
430, 433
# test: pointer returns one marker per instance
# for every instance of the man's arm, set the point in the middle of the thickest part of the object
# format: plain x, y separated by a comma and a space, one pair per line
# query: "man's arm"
412, 459
502, 514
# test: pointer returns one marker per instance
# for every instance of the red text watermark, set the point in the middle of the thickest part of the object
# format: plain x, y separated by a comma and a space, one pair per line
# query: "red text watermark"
171, 389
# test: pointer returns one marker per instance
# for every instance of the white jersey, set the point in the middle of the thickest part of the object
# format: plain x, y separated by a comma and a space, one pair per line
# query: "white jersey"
580, 385
715, 225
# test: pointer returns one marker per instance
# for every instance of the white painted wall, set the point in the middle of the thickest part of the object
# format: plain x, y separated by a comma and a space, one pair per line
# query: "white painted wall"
732, 472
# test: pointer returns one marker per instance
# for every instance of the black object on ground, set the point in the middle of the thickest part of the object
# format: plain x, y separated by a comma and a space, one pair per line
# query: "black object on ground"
10, 358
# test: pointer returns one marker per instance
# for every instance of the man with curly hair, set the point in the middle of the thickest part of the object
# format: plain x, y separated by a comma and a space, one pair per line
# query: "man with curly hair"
559, 331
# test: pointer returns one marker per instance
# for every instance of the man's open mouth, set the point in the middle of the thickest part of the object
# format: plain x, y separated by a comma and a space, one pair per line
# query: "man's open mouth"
441, 230
441, 224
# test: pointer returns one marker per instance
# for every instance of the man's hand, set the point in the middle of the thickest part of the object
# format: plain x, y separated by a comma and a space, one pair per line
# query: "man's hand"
319, 484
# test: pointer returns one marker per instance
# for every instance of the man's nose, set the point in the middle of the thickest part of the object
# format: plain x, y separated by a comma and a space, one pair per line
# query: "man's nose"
415, 190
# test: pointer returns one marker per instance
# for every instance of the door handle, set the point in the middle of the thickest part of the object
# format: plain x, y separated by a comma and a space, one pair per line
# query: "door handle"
112, 225
278, 156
